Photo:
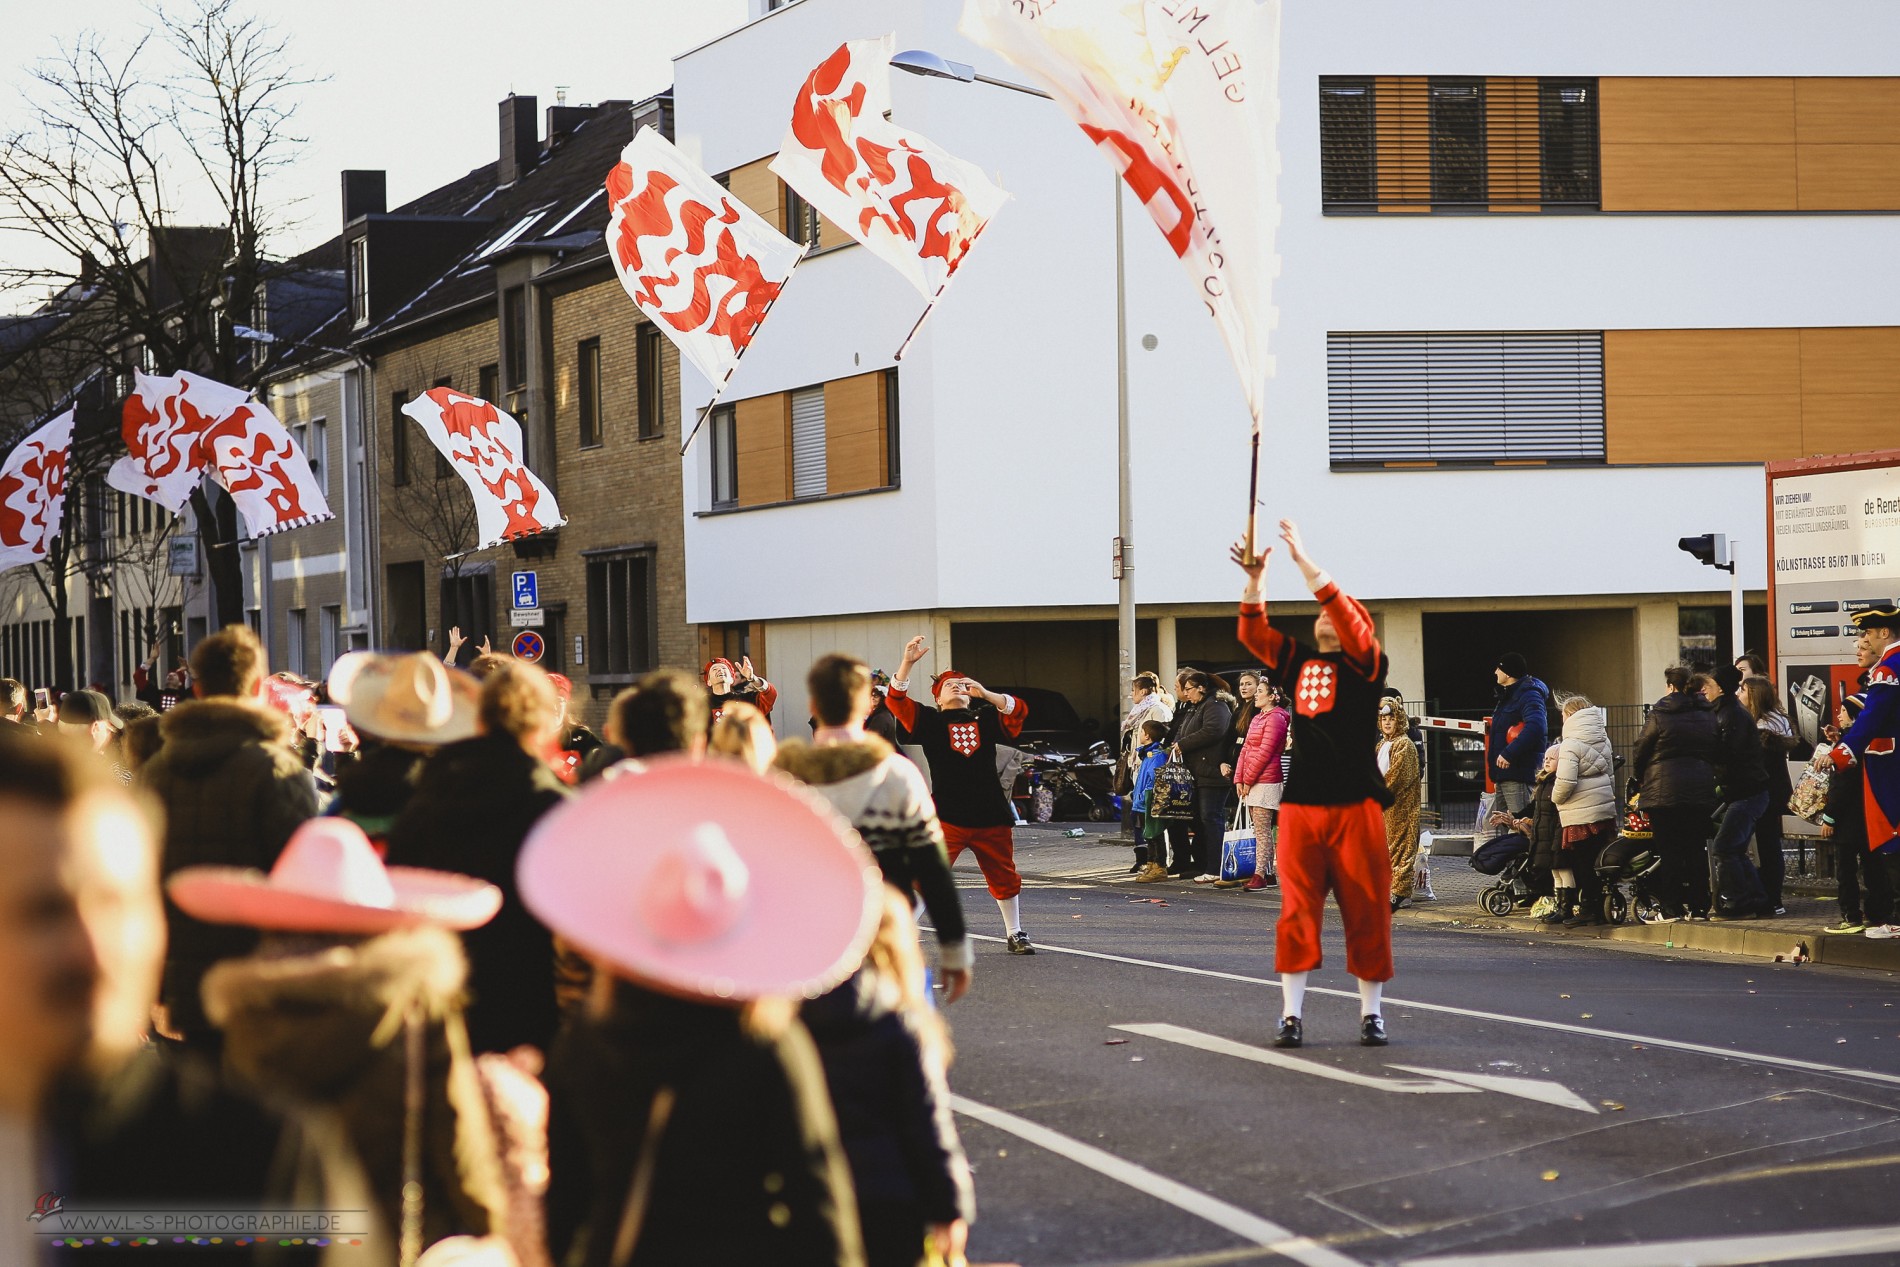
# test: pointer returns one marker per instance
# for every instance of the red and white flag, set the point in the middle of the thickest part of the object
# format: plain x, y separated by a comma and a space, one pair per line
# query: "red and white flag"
918, 208
484, 445
1183, 100
700, 264
33, 492
181, 428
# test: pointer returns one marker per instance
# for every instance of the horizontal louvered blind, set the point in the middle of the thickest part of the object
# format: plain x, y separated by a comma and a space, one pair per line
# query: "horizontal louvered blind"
1417, 142
1463, 397
808, 442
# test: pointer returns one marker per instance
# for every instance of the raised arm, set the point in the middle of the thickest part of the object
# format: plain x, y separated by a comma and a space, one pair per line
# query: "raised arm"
1351, 621
1269, 644
898, 699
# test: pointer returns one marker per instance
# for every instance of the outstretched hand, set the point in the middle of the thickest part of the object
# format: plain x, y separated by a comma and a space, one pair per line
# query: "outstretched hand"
1295, 546
1253, 567
915, 650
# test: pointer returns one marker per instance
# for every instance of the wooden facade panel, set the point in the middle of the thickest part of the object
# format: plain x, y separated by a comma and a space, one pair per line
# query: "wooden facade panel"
830, 235
1701, 362
1842, 422
764, 448
854, 433
1402, 122
1686, 428
1707, 110
1842, 111
1689, 176
757, 186
1856, 177
1512, 138
1851, 359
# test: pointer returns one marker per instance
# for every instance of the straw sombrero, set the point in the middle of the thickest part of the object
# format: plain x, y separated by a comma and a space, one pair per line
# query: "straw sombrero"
329, 880
705, 880
410, 698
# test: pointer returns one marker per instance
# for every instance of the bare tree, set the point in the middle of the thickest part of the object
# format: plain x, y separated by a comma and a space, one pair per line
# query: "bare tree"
436, 507
146, 170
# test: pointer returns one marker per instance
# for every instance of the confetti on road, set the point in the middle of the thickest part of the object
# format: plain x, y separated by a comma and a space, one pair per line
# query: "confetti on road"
1549, 1176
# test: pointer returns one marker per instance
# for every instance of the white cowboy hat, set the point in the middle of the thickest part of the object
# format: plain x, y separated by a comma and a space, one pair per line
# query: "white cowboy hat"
328, 879
703, 879
410, 698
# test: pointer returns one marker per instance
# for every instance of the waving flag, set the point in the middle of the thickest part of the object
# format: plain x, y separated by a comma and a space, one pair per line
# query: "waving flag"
699, 263
1182, 99
180, 428
916, 207
33, 492
484, 445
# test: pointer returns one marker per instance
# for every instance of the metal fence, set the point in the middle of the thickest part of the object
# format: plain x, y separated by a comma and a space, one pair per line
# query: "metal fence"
1454, 763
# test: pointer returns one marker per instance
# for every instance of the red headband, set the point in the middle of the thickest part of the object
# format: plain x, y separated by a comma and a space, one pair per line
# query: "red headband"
719, 659
936, 683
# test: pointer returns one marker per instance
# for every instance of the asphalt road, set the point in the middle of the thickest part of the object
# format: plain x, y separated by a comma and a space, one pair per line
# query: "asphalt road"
1652, 1109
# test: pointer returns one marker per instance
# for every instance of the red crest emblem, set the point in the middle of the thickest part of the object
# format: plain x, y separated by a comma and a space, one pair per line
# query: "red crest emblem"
1316, 689
965, 737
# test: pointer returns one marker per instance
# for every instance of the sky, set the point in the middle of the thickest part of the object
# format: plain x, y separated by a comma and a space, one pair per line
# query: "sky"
408, 86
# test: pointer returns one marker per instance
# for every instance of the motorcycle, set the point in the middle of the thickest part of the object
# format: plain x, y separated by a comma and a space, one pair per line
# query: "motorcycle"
1078, 788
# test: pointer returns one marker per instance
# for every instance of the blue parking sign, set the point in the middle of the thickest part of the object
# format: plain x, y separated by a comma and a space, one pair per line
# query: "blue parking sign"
527, 591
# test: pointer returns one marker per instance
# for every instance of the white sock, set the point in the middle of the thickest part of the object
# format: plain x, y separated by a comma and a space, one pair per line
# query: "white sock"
1369, 994
1012, 908
1292, 993
1563, 879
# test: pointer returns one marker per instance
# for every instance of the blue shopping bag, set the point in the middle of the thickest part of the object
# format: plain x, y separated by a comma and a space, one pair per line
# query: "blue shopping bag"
1237, 849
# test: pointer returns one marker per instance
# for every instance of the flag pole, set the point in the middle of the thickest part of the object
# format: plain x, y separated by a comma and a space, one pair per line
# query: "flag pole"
1253, 493
720, 390
942, 286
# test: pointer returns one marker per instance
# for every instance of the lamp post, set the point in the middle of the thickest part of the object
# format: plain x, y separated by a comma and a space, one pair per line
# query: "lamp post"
931, 65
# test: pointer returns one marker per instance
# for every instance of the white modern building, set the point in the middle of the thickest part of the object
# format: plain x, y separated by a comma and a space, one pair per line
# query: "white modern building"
1652, 245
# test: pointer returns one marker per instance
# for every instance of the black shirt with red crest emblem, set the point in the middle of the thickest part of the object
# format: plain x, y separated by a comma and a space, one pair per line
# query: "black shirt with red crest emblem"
961, 748
1334, 698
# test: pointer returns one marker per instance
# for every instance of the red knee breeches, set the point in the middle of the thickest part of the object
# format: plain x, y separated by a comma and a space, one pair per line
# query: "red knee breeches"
996, 854
1338, 849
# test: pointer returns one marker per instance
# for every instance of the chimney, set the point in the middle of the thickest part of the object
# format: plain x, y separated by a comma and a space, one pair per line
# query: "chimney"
520, 139
564, 119
364, 194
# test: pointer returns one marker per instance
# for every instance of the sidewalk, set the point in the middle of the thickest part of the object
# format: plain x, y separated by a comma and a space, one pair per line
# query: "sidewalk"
1101, 856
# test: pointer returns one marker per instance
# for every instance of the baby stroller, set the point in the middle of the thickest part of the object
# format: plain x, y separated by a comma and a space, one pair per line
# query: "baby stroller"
1508, 859
1631, 856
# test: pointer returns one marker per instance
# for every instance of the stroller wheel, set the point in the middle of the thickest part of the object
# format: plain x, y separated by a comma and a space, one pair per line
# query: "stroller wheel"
1497, 901
1615, 907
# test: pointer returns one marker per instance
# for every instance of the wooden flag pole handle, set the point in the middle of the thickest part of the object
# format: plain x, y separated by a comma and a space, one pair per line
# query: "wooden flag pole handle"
1253, 497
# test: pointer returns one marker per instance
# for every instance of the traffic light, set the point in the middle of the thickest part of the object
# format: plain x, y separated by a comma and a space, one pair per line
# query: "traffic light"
1711, 548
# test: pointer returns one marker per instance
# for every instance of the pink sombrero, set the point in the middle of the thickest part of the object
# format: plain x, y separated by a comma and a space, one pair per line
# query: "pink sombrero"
328, 879
705, 880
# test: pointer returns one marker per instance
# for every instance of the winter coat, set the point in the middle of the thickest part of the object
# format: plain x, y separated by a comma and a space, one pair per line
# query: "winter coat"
168, 1130
1585, 791
1202, 739
1259, 760
1151, 707
473, 806
1676, 753
1739, 769
1402, 781
1547, 829
1152, 757
892, 1102
1519, 726
322, 1025
748, 1167
233, 791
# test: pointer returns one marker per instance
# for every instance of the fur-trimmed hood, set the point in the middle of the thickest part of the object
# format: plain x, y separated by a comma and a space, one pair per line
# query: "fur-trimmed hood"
201, 734
819, 764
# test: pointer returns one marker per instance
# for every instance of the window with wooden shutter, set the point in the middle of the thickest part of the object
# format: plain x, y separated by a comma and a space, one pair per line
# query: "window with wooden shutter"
1430, 397
808, 443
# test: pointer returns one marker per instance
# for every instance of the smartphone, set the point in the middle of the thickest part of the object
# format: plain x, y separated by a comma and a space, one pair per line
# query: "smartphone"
42, 697
333, 727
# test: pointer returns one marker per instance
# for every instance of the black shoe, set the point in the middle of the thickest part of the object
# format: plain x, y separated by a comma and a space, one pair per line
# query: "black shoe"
1273, 881
1290, 1032
1371, 1032
1137, 865
1019, 943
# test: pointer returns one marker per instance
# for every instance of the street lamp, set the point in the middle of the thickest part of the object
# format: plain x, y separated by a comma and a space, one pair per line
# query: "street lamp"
930, 65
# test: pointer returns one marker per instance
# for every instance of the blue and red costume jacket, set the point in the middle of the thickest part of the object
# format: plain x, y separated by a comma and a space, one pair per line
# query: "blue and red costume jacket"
1870, 740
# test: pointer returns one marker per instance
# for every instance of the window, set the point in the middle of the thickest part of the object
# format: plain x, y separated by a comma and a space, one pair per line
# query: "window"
620, 614
801, 219
893, 468
648, 382
808, 442
408, 630
488, 382
300, 433
399, 425
514, 337
1423, 398
319, 453
725, 456
1462, 143
359, 280
468, 601
294, 634
588, 368
443, 467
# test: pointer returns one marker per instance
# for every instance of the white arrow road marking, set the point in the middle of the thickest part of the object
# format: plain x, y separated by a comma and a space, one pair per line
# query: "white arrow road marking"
1249, 1227
1555, 1093
1268, 1056
1437, 1081
1730, 1251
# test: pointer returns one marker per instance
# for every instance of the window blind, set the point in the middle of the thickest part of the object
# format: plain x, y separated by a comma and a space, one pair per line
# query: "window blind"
1464, 397
808, 442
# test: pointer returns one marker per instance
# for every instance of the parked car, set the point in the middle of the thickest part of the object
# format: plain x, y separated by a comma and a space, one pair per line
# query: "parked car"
1053, 722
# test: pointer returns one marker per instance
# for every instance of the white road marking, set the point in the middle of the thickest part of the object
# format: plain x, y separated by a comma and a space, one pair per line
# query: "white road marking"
1728, 1251
1249, 1227
1588, 1031
1541, 1090
1280, 1060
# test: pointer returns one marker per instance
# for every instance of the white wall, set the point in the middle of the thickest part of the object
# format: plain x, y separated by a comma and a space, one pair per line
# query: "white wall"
1008, 396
